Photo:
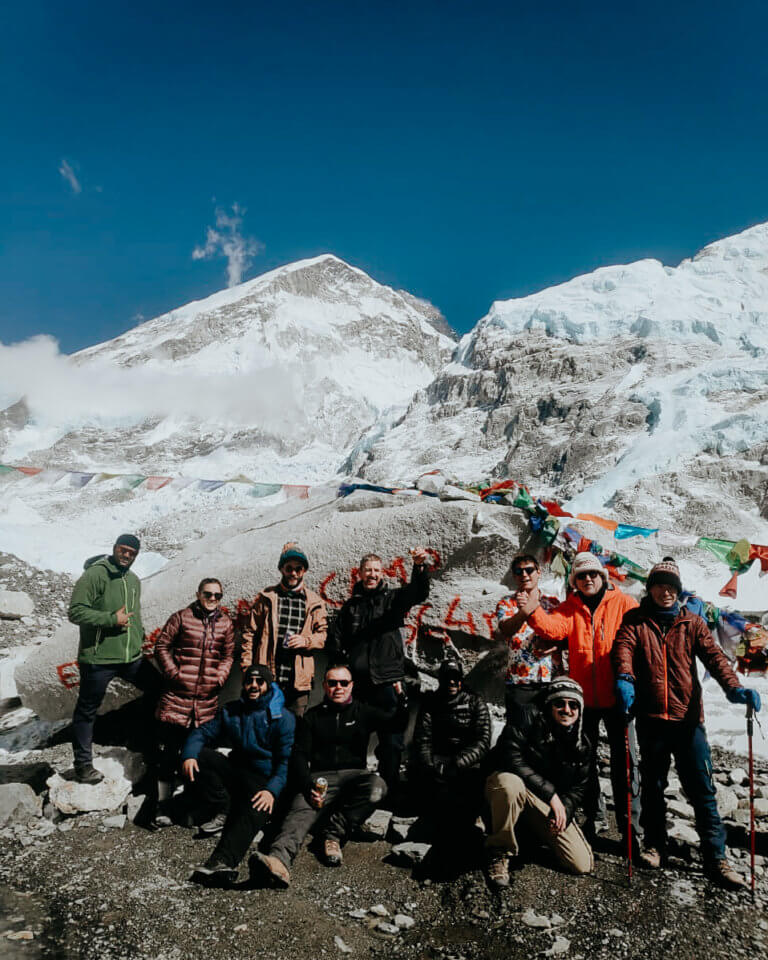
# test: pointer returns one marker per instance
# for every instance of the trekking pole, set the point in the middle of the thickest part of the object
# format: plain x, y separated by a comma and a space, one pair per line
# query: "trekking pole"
750, 731
629, 804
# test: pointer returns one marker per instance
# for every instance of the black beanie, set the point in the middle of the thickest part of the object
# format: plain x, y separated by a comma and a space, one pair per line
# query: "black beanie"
128, 540
260, 670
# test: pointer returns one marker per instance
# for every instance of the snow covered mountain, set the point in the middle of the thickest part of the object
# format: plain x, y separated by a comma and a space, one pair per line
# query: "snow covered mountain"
281, 373
274, 379
641, 388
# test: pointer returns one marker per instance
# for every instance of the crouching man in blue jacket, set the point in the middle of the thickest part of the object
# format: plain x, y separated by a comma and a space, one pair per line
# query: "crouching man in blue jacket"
240, 789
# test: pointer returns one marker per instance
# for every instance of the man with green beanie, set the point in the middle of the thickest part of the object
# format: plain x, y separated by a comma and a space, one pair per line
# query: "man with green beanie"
286, 627
105, 605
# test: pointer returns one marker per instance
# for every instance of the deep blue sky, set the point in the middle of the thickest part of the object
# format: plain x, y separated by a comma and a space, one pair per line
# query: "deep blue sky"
465, 152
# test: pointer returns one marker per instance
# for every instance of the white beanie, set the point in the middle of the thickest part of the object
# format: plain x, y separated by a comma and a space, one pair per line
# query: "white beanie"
584, 562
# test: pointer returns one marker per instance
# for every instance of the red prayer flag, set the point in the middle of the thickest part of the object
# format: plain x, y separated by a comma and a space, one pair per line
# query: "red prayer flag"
554, 509
729, 590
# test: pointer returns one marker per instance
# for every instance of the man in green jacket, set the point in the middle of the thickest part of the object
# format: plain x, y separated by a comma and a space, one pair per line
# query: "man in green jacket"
105, 605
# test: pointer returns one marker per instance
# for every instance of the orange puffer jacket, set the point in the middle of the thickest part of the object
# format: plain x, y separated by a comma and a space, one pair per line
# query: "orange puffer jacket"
195, 653
590, 640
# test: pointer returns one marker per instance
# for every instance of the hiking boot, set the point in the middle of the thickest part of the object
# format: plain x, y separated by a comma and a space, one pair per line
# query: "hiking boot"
87, 773
497, 868
593, 828
651, 858
723, 874
271, 868
214, 872
213, 826
332, 852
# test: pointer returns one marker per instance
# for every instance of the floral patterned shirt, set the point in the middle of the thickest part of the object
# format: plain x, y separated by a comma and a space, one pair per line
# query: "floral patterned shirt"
523, 666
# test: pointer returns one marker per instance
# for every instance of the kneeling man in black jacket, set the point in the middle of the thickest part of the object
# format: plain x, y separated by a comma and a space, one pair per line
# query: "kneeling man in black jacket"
331, 743
541, 777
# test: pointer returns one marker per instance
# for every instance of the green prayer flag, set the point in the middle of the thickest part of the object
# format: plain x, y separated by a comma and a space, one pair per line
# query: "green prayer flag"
523, 499
265, 489
718, 548
132, 480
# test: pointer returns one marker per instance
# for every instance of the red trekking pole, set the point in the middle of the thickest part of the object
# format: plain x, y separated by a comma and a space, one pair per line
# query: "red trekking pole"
629, 802
750, 731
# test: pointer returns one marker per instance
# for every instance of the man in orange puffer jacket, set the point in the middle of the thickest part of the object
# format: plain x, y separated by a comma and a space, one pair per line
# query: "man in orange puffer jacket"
589, 619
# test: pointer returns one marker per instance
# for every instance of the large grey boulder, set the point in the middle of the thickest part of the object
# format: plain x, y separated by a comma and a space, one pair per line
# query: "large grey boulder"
470, 565
15, 604
18, 803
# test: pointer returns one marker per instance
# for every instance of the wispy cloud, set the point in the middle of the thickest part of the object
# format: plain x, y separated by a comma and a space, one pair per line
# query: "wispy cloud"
69, 175
66, 392
226, 240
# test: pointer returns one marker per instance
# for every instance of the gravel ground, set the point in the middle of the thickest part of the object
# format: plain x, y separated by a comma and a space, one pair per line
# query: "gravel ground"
49, 590
94, 892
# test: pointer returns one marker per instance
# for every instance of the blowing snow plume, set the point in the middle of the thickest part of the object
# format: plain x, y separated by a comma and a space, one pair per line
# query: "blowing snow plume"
59, 392
226, 240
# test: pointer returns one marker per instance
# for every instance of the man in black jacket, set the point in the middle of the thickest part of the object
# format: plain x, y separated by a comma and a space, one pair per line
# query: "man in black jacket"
541, 775
452, 736
367, 635
331, 743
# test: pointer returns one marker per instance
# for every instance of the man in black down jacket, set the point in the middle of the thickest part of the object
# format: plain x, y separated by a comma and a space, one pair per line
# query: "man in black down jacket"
452, 736
367, 635
541, 775
332, 743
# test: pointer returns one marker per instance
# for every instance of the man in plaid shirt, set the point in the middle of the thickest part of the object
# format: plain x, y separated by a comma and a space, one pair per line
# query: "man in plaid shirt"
527, 672
286, 626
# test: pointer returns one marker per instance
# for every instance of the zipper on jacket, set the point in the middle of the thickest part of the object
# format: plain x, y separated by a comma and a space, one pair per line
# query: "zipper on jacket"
594, 659
666, 677
128, 626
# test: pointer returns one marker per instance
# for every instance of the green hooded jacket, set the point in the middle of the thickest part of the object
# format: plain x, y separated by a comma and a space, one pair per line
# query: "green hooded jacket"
99, 593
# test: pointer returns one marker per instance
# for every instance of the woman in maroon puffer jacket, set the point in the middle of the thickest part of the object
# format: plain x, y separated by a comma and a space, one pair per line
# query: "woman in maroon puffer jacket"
195, 652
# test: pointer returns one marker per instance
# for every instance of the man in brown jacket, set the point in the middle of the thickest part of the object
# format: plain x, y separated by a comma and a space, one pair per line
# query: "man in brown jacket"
288, 624
654, 659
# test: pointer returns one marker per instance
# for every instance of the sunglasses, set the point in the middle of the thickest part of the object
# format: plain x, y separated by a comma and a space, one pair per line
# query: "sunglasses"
572, 706
211, 595
588, 575
521, 571
338, 683
293, 567
250, 681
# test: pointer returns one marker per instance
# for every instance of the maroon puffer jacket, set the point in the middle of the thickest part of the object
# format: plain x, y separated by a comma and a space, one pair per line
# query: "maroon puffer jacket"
195, 653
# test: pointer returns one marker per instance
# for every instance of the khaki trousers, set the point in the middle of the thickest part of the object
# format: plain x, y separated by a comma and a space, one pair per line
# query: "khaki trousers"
510, 801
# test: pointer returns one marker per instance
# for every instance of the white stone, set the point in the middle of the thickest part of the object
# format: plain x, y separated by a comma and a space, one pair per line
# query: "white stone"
681, 809
339, 944
71, 797
377, 824
683, 832
727, 801
403, 921
761, 807
559, 947
15, 604
738, 775
379, 910
18, 802
538, 920
116, 822
415, 852
383, 926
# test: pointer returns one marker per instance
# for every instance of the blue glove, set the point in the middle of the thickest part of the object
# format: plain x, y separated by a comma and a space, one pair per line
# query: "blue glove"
625, 694
746, 696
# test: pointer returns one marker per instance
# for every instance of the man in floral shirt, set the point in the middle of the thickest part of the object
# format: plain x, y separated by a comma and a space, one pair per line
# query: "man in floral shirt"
526, 672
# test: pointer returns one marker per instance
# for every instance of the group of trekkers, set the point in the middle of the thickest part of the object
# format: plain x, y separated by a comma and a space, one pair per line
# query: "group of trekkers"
596, 658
